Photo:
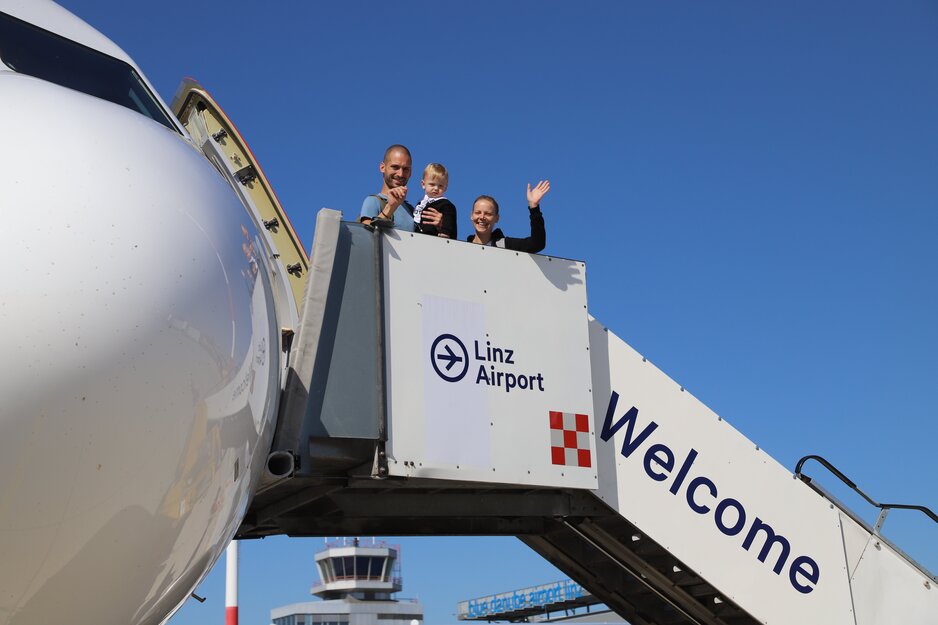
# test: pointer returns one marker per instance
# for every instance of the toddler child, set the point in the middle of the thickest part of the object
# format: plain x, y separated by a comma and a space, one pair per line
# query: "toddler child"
434, 183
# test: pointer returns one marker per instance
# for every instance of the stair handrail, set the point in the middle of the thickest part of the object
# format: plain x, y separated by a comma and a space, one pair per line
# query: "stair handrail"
883, 507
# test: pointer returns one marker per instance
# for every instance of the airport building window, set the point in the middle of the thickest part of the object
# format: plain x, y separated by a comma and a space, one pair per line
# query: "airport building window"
314, 619
354, 567
377, 568
31, 50
328, 573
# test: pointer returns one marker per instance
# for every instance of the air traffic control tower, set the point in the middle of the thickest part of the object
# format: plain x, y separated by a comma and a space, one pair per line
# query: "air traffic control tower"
356, 584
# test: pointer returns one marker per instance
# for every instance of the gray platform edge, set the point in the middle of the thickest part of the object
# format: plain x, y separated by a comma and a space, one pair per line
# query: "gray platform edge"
333, 388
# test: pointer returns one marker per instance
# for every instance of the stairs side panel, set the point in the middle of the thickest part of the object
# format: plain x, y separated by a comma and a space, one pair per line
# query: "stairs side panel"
887, 589
691, 482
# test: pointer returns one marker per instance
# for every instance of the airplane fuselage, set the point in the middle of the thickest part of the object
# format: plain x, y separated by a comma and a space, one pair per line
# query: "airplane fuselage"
141, 347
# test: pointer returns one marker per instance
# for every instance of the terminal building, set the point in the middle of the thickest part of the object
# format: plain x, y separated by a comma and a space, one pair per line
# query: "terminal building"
356, 584
563, 601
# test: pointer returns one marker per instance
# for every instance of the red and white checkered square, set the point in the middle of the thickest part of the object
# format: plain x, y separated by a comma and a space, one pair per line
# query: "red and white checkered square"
570, 439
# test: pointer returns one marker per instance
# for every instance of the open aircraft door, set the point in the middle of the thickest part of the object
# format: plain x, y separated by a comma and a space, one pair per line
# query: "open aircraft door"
218, 138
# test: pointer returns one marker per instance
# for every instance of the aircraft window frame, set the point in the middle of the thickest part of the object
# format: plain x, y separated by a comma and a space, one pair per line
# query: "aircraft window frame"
18, 38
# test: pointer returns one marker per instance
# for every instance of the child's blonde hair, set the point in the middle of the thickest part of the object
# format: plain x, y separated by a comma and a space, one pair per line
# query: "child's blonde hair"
436, 170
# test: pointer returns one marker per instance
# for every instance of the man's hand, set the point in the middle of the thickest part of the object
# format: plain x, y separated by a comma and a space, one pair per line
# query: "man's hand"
535, 194
432, 217
396, 197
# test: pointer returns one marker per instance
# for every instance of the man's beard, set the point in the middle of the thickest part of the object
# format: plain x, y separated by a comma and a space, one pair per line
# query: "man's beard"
391, 183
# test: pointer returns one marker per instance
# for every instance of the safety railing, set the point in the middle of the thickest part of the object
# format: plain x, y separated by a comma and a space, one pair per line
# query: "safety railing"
883, 508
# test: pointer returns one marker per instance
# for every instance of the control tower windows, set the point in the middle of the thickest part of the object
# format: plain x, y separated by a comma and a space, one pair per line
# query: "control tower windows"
371, 568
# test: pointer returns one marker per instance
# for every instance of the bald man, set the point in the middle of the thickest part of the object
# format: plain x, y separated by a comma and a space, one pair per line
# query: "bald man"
390, 206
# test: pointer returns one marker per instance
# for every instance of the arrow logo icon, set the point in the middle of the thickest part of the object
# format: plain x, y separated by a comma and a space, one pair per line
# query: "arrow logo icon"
450, 351
449, 356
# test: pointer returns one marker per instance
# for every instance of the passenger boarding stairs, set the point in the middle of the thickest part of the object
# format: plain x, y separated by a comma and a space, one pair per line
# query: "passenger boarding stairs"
441, 388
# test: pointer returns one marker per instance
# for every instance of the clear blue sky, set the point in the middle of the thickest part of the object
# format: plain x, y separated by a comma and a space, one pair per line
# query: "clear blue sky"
753, 185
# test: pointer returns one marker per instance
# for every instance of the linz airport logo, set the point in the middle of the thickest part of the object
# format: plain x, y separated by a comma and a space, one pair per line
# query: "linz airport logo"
493, 365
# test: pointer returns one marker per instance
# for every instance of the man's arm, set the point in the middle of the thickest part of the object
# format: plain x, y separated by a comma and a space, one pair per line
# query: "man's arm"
371, 207
385, 206
396, 197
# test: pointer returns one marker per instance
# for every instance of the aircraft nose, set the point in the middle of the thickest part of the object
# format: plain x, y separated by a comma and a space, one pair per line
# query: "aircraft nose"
130, 323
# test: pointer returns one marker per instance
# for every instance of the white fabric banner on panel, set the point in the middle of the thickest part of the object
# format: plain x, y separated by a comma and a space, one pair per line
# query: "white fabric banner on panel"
456, 434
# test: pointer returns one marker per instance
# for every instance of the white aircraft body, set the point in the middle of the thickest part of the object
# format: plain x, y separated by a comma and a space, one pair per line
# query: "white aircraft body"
140, 342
